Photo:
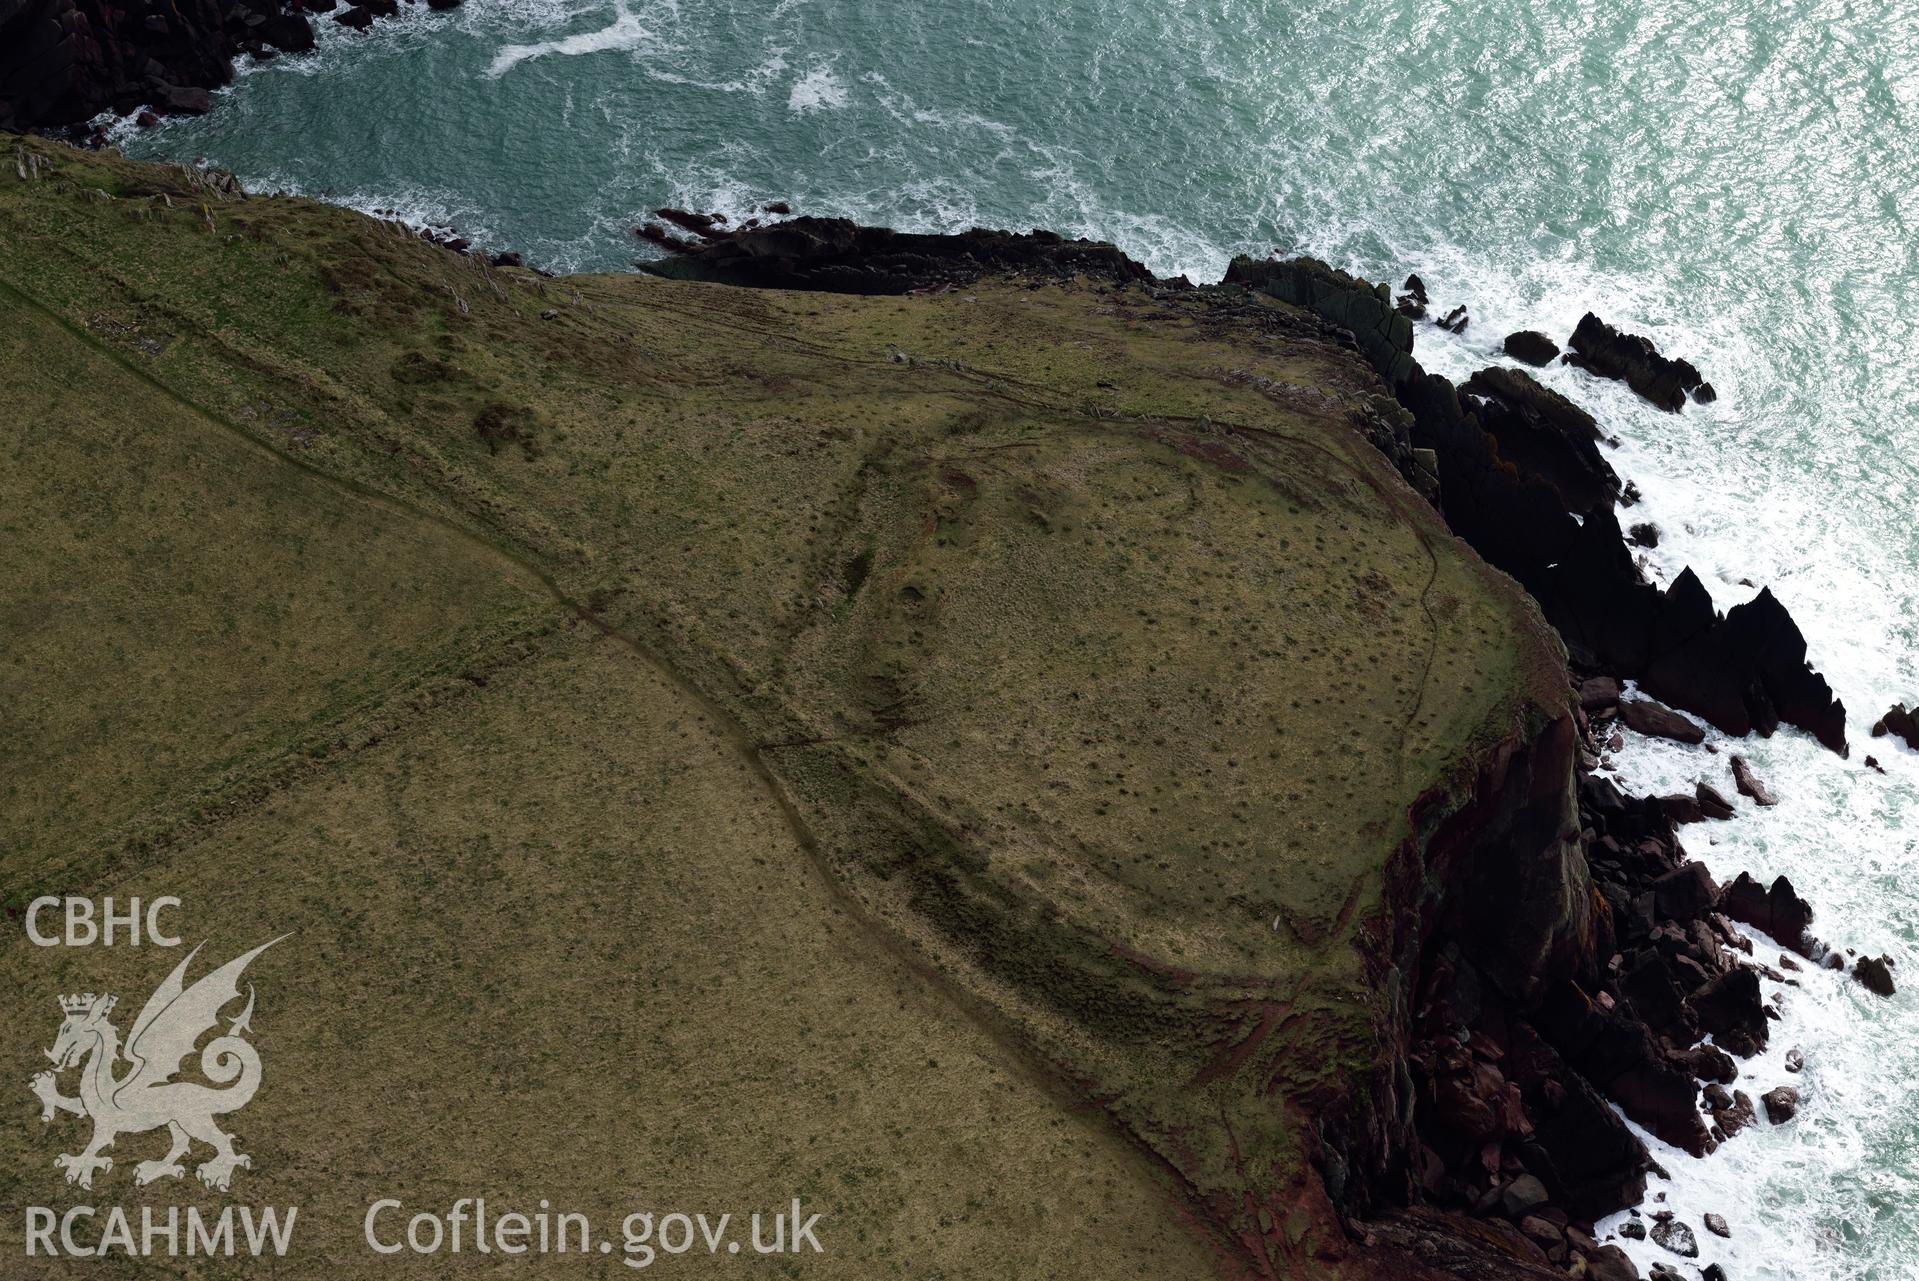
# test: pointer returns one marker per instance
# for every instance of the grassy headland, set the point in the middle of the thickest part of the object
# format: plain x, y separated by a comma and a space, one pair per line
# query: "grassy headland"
936, 756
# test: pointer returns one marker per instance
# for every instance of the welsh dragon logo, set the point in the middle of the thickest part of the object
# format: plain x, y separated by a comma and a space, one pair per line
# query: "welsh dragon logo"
145, 1096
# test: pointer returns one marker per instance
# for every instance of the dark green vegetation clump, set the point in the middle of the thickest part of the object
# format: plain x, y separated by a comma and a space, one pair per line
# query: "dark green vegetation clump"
500, 424
938, 757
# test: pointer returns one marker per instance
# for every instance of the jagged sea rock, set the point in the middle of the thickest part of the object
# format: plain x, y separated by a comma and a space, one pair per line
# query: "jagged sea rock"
1712, 803
1778, 911
1600, 349
1874, 973
1654, 719
1747, 671
1412, 303
1742, 672
1898, 720
1532, 347
1750, 784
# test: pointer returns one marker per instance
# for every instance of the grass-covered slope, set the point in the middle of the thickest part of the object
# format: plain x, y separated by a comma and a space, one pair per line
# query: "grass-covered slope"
937, 756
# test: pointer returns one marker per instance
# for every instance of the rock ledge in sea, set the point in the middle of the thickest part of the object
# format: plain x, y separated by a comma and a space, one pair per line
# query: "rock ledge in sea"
1600, 349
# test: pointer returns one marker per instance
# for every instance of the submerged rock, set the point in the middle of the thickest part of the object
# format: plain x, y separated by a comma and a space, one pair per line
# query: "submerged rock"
1675, 1236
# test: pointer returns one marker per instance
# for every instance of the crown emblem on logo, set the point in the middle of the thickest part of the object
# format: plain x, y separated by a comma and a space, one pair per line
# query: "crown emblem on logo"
80, 1003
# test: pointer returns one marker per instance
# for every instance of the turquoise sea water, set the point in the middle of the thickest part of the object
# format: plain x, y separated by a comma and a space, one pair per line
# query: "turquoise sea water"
1739, 180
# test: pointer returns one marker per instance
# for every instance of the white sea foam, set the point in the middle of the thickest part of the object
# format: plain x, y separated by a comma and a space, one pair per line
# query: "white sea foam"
625, 32
820, 89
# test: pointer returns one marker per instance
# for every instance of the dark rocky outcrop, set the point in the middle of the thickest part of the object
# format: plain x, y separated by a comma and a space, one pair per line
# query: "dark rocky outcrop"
1782, 1104
1746, 671
1656, 720
1732, 1011
1516, 1072
1898, 720
1778, 911
1750, 784
1600, 349
1732, 1110
1412, 303
1712, 803
63, 62
839, 256
1598, 693
1542, 433
1743, 671
1532, 347
1875, 973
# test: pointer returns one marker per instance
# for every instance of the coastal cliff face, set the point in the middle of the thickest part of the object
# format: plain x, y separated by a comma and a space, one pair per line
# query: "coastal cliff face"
1055, 690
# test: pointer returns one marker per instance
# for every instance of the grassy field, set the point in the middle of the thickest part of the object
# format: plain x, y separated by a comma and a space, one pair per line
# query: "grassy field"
931, 756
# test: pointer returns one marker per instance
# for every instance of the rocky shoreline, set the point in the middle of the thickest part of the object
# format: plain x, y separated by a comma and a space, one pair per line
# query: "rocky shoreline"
64, 62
